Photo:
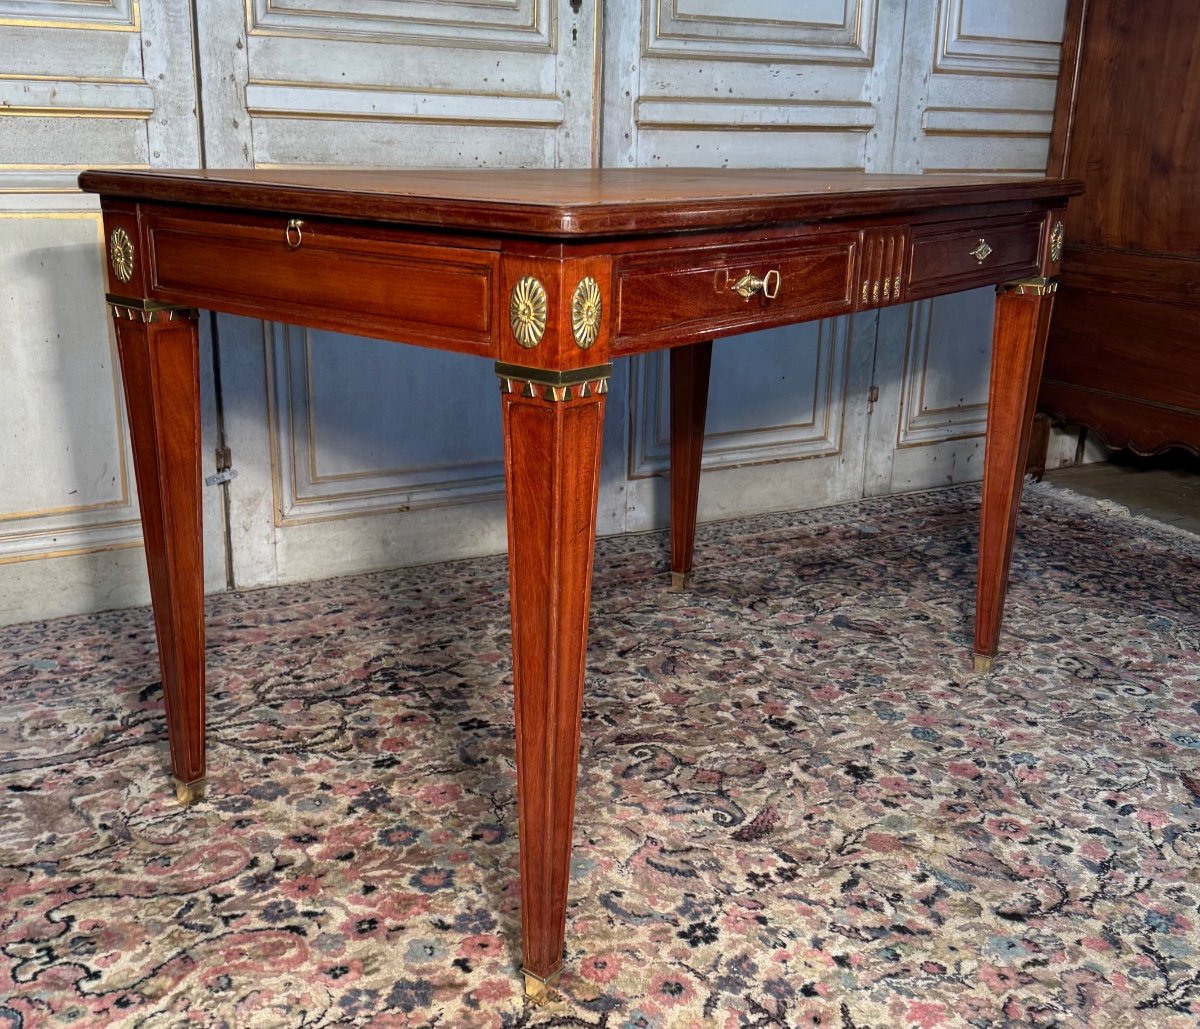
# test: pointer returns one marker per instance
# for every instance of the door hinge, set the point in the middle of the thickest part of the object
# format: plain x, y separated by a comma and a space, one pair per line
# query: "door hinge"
225, 470
872, 394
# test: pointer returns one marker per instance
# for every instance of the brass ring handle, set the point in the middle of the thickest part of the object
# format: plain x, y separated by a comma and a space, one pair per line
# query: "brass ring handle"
749, 284
293, 233
981, 251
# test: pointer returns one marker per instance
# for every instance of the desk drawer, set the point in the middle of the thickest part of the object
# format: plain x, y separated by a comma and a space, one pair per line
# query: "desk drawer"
687, 294
960, 255
366, 282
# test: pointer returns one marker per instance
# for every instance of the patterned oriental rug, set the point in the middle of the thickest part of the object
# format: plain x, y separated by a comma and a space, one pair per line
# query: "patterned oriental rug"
798, 805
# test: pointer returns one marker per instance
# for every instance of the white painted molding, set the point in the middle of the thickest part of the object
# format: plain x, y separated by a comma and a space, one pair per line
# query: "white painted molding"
305, 491
920, 422
118, 15
372, 103
829, 31
816, 431
742, 114
972, 37
525, 24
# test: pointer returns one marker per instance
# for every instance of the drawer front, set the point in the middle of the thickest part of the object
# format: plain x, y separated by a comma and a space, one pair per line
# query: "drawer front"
961, 255
327, 276
680, 295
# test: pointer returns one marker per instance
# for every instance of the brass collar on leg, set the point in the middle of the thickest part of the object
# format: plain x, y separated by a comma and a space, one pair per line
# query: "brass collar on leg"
1039, 285
142, 310
555, 386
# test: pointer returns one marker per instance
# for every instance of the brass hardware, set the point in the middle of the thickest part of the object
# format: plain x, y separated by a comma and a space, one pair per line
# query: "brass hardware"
1037, 286
294, 234
146, 310
1057, 236
983, 664
981, 251
187, 793
527, 312
154, 314
535, 988
554, 386
586, 309
887, 288
749, 284
120, 254
136, 304
681, 581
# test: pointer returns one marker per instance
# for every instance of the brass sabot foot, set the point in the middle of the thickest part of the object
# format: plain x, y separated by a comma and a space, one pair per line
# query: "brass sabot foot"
537, 989
187, 793
681, 581
983, 663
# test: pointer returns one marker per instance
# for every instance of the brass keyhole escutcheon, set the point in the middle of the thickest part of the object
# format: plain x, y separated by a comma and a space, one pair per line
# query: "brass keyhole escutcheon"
982, 251
750, 284
294, 233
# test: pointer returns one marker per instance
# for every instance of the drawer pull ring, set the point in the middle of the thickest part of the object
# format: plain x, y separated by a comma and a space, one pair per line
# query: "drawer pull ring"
749, 284
292, 233
981, 252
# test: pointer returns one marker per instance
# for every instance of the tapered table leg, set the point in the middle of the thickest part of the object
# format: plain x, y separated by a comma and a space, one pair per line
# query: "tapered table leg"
552, 435
1018, 347
689, 404
159, 352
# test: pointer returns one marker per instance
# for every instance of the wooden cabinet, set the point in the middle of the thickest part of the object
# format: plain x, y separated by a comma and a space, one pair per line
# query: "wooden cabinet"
1124, 352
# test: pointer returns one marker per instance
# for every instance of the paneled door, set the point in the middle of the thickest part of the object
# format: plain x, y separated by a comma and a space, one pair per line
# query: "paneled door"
985, 104
879, 403
763, 83
347, 453
82, 84
345, 464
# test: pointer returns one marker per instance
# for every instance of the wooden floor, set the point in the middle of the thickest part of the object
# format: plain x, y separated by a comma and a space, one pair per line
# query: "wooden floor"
1165, 488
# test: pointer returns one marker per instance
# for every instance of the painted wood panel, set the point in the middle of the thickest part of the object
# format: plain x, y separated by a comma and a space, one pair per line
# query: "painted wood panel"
774, 84
341, 451
785, 427
345, 465
984, 102
881, 86
81, 84
348, 457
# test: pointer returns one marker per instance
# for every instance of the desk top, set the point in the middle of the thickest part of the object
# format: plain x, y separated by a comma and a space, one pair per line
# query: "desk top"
571, 203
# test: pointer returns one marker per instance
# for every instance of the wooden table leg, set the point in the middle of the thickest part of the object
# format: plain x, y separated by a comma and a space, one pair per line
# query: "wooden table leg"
552, 437
689, 405
159, 352
1018, 347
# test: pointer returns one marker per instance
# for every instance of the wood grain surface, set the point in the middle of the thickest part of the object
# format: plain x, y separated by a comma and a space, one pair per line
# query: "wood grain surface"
1018, 347
450, 260
569, 203
160, 369
1123, 358
552, 469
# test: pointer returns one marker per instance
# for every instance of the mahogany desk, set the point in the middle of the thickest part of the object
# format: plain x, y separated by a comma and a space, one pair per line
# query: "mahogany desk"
551, 275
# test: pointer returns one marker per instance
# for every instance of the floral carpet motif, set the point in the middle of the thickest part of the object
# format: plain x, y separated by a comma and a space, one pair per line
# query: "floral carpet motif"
798, 804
